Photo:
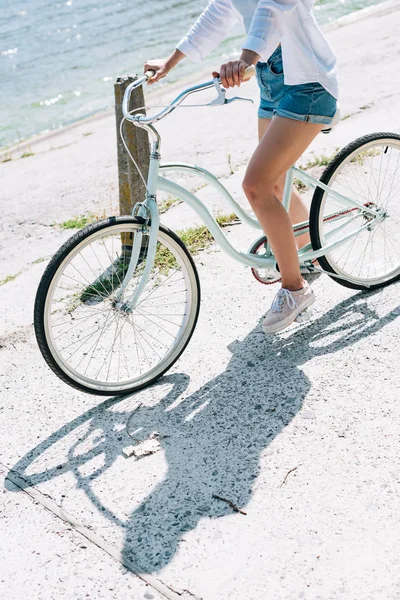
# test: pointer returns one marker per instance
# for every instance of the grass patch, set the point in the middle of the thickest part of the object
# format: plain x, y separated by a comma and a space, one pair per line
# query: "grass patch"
87, 133
9, 278
27, 153
79, 221
321, 160
225, 220
346, 117
360, 158
168, 203
39, 260
6, 159
199, 187
195, 239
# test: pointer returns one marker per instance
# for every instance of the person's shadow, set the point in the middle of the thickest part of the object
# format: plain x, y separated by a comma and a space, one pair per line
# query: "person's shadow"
213, 438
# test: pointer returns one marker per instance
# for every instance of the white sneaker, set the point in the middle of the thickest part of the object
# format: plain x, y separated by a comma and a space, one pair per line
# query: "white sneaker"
286, 307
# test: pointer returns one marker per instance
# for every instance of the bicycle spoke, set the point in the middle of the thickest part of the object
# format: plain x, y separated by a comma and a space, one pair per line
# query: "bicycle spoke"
143, 315
154, 338
95, 275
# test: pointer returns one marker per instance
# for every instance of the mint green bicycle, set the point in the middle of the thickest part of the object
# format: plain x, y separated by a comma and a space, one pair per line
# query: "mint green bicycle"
118, 303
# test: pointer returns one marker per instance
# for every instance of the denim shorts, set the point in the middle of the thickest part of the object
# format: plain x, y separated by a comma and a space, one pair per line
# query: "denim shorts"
306, 102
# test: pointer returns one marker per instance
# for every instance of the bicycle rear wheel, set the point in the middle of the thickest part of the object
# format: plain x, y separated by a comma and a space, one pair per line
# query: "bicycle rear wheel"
367, 170
94, 343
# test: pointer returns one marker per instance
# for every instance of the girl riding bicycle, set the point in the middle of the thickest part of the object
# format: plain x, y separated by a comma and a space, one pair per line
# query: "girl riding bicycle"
297, 77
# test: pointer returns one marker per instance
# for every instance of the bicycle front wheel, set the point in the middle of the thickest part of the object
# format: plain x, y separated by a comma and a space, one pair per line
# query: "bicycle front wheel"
368, 171
96, 344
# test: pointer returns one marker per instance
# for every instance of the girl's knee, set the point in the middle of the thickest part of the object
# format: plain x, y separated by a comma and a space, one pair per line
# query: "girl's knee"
257, 189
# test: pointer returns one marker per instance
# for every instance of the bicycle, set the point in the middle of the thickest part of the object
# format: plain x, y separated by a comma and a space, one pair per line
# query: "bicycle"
119, 301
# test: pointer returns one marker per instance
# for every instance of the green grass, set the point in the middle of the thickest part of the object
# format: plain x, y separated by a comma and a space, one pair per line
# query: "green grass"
224, 220
39, 260
6, 159
199, 187
26, 154
164, 260
321, 160
79, 221
195, 239
9, 278
168, 203
87, 133
360, 158
346, 117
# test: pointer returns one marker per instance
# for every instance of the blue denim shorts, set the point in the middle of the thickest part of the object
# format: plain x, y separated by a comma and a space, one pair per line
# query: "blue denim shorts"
306, 102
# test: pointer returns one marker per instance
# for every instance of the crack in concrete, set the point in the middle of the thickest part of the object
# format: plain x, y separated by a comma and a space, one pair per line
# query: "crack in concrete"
188, 593
184, 594
49, 504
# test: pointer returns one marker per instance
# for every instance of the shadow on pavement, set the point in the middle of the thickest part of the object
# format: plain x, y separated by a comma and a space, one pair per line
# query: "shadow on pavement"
212, 439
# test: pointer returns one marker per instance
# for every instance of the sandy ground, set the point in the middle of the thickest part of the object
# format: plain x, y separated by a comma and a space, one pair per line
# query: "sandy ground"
238, 413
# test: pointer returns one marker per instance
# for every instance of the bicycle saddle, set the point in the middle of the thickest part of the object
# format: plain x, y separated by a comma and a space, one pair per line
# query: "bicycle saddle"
335, 121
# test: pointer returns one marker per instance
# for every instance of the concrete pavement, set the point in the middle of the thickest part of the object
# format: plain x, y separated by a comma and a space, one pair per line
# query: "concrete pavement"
298, 431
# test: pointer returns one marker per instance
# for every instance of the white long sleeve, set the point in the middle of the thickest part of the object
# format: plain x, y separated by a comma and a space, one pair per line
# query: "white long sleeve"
267, 26
209, 30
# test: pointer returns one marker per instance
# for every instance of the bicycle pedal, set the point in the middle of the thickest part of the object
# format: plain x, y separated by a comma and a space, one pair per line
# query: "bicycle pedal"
304, 316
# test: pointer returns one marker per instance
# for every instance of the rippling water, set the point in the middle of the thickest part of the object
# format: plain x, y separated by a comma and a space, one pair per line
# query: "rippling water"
58, 61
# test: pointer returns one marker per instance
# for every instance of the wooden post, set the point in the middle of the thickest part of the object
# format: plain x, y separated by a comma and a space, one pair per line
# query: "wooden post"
131, 187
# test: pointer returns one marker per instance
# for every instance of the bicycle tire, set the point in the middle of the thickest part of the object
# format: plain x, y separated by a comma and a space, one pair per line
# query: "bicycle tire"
331, 172
54, 272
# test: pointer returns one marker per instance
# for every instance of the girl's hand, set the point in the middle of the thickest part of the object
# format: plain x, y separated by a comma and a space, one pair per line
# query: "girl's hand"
161, 68
232, 73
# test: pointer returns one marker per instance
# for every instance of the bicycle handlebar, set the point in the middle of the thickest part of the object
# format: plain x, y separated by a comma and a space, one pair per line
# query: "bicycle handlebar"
140, 118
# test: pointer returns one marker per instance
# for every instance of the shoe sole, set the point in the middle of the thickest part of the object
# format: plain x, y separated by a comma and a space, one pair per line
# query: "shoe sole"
289, 320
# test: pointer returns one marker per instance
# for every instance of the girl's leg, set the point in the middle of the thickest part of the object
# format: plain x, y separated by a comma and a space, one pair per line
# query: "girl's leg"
281, 145
298, 211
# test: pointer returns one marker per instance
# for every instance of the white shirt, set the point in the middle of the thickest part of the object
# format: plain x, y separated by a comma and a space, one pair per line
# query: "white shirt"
307, 54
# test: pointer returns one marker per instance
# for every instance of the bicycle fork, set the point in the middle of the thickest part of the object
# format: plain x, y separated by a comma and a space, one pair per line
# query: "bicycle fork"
148, 210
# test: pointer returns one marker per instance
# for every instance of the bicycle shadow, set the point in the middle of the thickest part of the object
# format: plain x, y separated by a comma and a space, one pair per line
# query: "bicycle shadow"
212, 439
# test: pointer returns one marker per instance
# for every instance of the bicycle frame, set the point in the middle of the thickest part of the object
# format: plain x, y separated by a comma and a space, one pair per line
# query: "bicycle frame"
158, 181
